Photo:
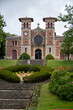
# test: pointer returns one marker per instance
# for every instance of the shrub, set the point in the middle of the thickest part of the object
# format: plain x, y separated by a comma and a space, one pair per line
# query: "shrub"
61, 84
24, 56
9, 76
49, 57
39, 76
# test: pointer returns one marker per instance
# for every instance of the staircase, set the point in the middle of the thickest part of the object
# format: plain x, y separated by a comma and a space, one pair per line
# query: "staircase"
15, 95
32, 62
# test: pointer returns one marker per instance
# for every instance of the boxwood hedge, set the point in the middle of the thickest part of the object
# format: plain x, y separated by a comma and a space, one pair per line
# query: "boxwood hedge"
41, 73
39, 76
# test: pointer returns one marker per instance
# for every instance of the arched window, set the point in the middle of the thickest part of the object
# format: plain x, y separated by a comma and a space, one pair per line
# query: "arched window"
15, 42
27, 25
12, 43
24, 25
25, 50
49, 50
48, 25
51, 24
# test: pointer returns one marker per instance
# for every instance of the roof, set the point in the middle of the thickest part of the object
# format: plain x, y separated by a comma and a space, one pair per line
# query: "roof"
48, 18
18, 37
59, 37
38, 28
26, 18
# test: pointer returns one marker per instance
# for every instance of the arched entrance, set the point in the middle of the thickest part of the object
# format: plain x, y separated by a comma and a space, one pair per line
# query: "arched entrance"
38, 54
14, 54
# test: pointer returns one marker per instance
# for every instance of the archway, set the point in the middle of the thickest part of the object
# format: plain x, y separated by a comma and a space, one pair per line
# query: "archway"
14, 54
38, 54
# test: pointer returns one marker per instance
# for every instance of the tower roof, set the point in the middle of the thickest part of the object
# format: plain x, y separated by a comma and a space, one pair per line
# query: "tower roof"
49, 18
26, 18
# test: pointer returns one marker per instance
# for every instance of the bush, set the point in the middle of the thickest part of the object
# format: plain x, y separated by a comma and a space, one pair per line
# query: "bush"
49, 57
61, 84
39, 76
24, 56
9, 76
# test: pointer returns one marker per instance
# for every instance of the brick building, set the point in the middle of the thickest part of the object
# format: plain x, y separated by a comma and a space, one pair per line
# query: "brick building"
36, 42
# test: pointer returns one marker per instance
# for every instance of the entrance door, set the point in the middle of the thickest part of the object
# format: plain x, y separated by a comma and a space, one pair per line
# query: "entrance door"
38, 54
14, 54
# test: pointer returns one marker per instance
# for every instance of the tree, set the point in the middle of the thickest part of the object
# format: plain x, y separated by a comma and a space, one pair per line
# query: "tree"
2, 36
67, 45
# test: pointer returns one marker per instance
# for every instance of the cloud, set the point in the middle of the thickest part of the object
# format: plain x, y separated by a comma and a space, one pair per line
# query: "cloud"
37, 9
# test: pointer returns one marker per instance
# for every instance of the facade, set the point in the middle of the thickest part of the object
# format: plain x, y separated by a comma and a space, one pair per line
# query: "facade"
36, 42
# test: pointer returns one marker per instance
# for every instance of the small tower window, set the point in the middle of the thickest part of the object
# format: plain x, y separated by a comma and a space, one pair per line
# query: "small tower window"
12, 43
48, 25
25, 50
27, 25
49, 50
15, 42
24, 25
51, 24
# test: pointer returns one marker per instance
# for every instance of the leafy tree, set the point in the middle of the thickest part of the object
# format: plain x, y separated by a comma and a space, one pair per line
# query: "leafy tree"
2, 36
68, 35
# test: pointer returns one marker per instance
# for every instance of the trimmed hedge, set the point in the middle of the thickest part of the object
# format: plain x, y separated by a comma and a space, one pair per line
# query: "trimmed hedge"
9, 76
42, 75
62, 84
49, 57
24, 56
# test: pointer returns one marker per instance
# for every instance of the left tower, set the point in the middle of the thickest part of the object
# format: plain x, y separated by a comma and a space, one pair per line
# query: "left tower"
26, 35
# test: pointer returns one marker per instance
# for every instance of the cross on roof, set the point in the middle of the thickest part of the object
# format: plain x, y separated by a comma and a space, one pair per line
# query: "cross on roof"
38, 24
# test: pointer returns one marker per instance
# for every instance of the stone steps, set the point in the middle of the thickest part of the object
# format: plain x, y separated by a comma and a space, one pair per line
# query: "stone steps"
15, 95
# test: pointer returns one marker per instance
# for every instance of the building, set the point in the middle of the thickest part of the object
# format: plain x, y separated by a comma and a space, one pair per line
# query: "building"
36, 42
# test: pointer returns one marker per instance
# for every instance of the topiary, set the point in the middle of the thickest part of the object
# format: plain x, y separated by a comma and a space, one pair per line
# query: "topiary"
24, 56
49, 57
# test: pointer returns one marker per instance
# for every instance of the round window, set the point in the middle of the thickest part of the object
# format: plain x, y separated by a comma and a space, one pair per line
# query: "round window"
38, 39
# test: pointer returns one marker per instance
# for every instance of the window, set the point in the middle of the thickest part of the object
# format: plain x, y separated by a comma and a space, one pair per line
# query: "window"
48, 25
49, 50
24, 25
15, 42
25, 50
12, 43
51, 24
27, 25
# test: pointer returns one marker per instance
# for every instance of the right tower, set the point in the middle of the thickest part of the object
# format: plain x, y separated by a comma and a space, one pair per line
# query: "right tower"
50, 35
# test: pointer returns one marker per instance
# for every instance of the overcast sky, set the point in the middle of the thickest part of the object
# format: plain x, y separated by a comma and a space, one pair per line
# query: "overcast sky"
37, 9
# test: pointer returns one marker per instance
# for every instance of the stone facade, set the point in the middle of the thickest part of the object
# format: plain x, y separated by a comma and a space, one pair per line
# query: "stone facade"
36, 42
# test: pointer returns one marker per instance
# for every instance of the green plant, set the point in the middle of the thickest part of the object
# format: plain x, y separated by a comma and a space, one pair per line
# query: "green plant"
39, 76
24, 56
61, 84
9, 76
49, 57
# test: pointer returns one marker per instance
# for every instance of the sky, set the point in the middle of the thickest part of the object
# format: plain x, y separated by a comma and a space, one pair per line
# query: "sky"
12, 10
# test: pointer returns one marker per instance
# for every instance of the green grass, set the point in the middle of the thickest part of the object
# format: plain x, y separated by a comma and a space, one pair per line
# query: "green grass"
49, 101
6, 63
60, 63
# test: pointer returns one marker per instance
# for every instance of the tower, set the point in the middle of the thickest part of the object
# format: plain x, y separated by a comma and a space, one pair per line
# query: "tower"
26, 34
50, 35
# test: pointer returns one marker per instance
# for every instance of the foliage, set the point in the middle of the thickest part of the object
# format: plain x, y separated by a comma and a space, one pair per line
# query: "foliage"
39, 76
49, 101
67, 46
24, 68
49, 57
9, 76
61, 84
24, 56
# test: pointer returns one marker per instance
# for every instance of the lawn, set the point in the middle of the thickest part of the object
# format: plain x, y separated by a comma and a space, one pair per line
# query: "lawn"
49, 101
60, 63
6, 63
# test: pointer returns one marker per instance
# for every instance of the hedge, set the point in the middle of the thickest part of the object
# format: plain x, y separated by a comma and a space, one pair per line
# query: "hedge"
62, 84
9, 76
39, 76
